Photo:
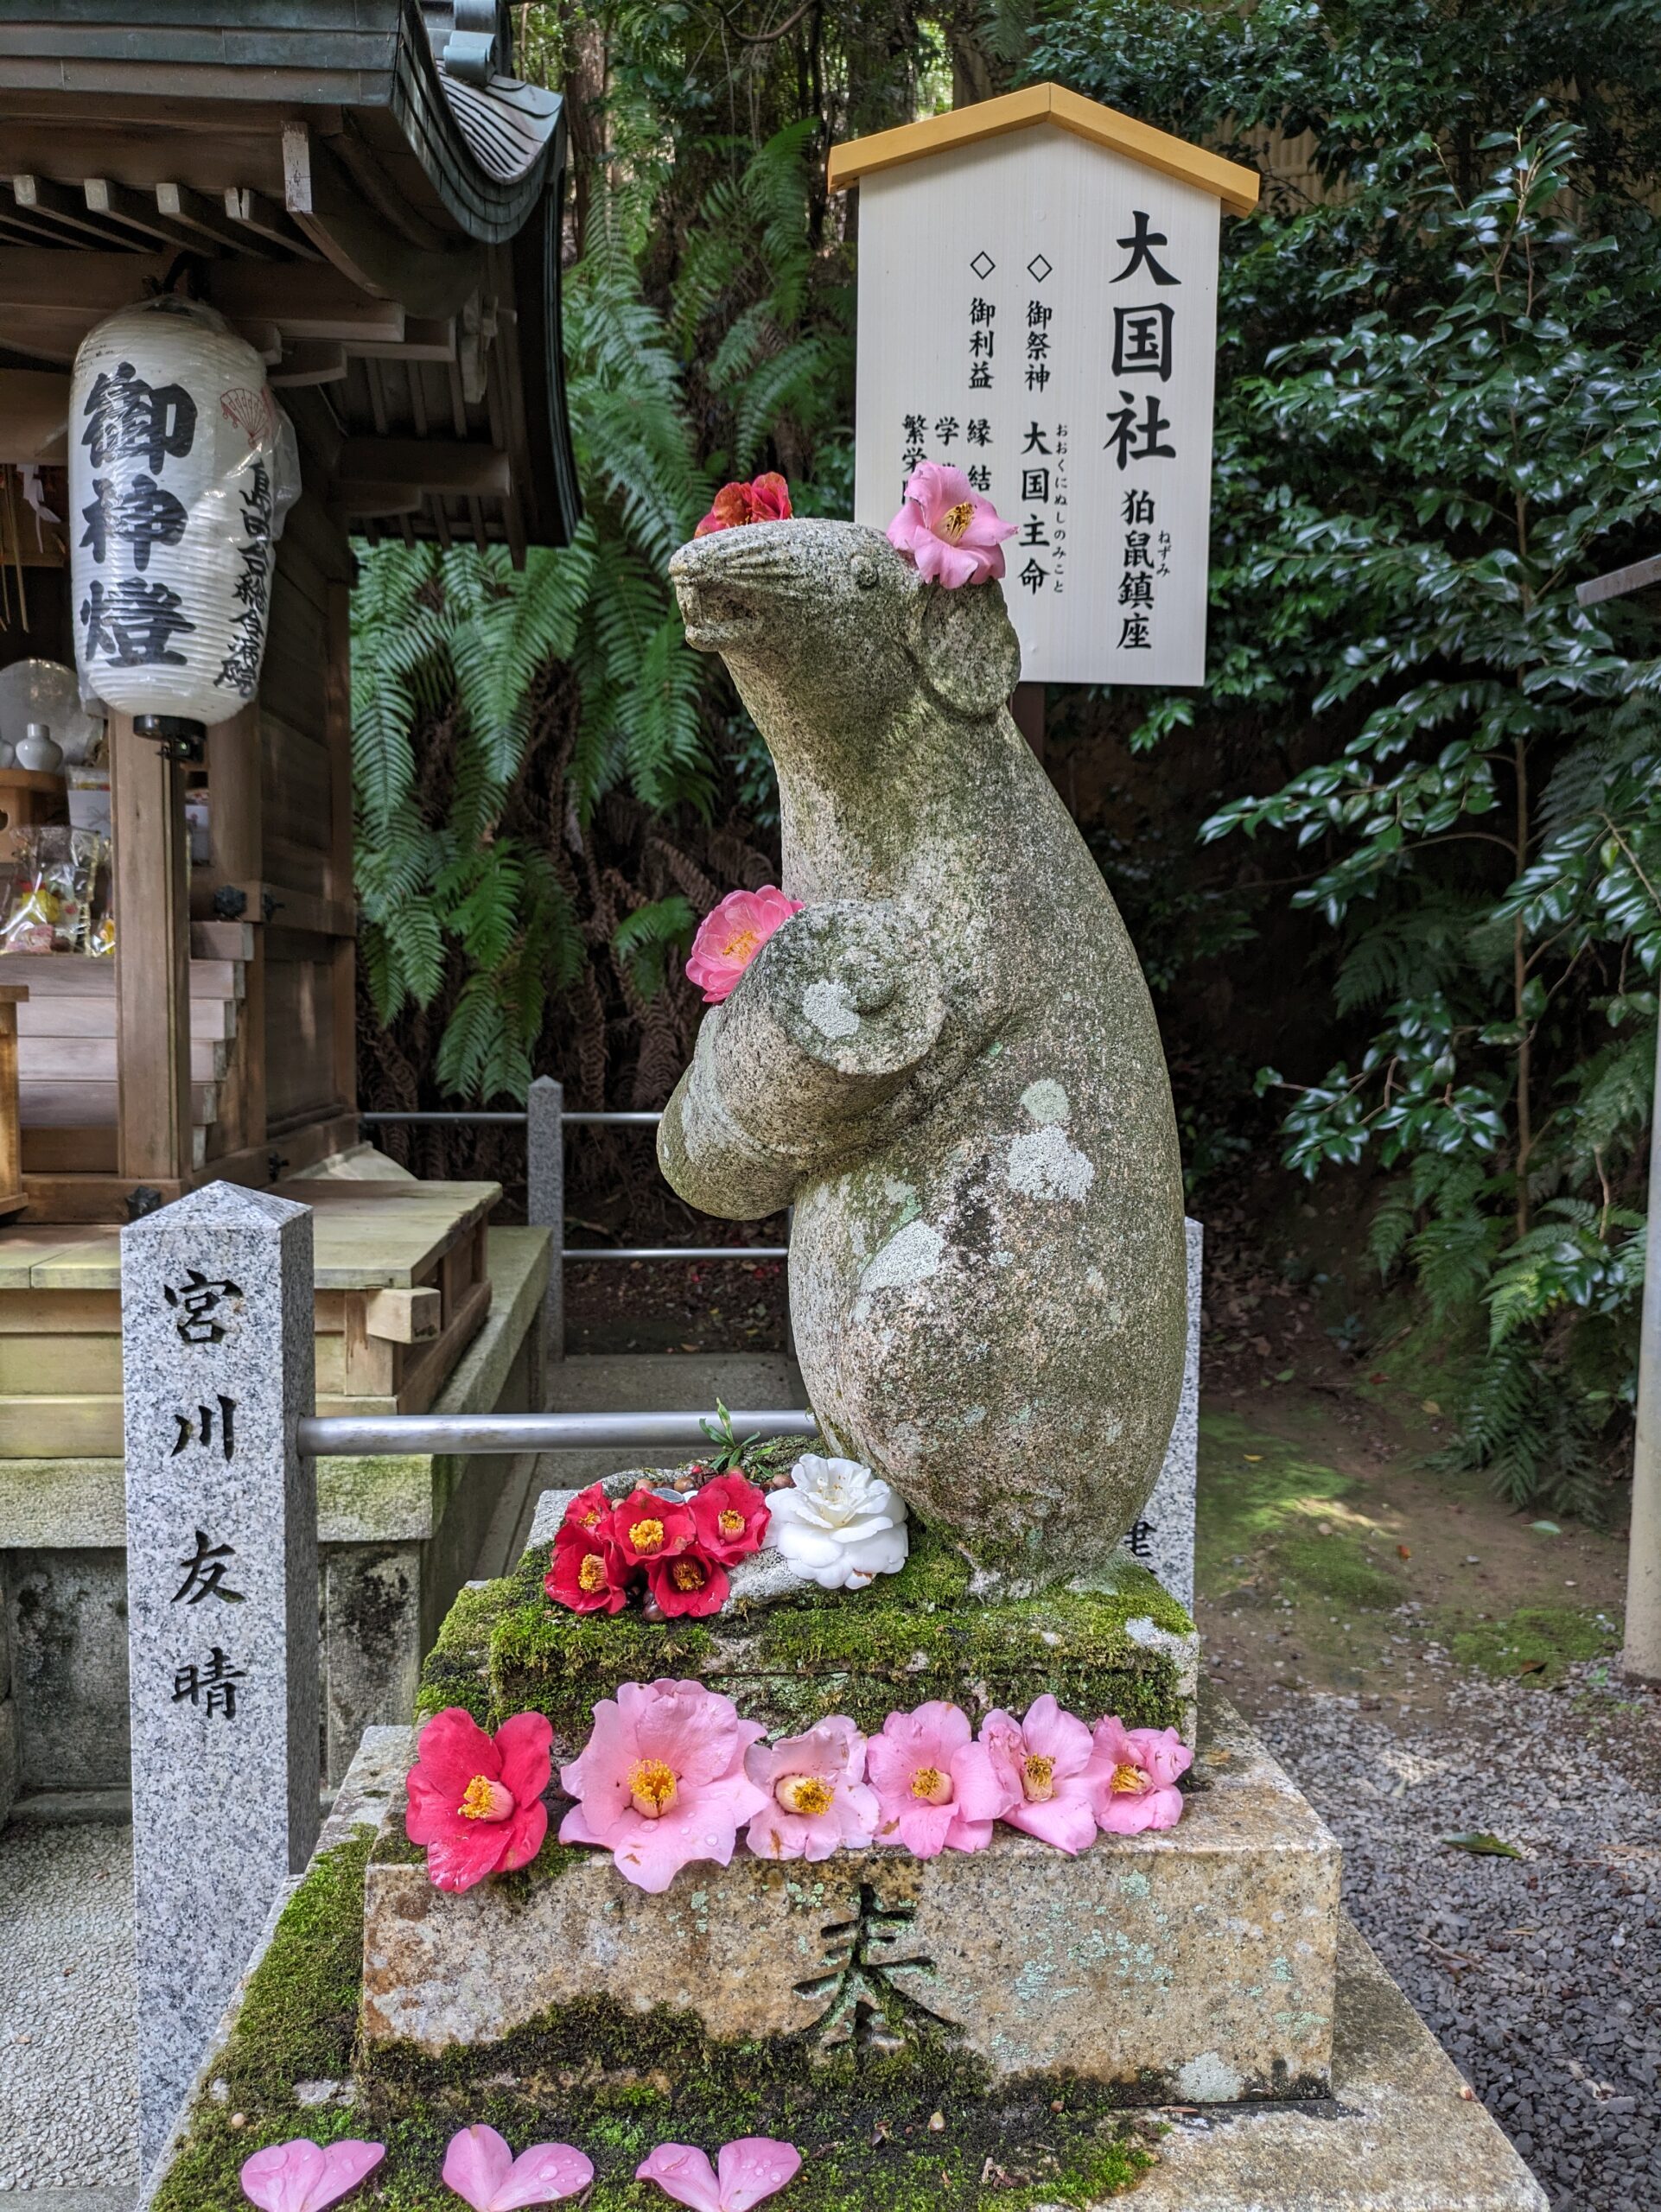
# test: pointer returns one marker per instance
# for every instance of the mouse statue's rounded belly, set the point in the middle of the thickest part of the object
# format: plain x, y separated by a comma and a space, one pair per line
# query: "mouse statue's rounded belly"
948, 1063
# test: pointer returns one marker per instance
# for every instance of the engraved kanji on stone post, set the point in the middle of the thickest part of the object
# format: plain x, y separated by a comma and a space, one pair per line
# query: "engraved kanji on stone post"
218, 1368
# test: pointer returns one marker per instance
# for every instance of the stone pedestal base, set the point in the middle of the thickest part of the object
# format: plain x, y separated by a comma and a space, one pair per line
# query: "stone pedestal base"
1195, 1965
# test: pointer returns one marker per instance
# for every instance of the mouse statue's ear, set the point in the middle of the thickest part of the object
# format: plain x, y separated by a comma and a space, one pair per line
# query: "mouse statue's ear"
963, 645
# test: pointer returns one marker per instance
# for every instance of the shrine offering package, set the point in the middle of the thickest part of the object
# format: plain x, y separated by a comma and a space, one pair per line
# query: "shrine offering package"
50, 908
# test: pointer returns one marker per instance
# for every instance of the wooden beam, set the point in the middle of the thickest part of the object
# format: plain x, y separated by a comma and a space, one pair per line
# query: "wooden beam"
1620, 583
425, 338
33, 415
67, 208
151, 845
196, 215
296, 299
325, 205
138, 213
426, 464
255, 213
310, 361
337, 730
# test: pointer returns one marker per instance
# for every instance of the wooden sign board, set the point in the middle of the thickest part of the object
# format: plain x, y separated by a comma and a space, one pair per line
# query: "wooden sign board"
1040, 309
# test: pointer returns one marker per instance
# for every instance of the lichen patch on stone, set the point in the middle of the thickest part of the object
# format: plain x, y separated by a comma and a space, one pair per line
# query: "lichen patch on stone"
1046, 1101
1043, 1164
911, 1255
829, 1007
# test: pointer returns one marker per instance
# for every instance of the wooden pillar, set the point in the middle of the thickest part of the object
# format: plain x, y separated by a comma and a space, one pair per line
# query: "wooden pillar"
152, 964
237, 832
337, 693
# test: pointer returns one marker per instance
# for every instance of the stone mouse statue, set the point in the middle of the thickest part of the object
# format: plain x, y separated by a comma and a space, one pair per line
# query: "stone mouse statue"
948, 1063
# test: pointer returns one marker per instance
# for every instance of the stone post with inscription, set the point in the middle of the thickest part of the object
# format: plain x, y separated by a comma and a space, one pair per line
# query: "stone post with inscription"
216, 1308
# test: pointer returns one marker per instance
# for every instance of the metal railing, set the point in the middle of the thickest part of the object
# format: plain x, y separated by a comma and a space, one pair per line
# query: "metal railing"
544, 1121
342, 1435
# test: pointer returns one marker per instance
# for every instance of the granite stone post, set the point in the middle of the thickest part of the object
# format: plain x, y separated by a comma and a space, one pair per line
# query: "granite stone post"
216, 1309
544, 1145
1161, 1536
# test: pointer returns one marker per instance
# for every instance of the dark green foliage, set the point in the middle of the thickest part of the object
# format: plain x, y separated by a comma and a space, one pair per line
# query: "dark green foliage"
1440, 411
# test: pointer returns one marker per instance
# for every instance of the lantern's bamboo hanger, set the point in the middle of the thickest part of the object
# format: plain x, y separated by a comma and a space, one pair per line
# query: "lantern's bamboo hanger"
1236, 186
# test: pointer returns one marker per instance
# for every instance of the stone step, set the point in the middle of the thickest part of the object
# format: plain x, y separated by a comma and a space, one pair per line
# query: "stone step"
1194, 1965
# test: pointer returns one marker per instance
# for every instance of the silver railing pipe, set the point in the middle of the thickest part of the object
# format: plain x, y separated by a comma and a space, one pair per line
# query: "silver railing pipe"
347, 1435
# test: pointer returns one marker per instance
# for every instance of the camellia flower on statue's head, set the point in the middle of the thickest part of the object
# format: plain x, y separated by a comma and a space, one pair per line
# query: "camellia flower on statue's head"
744, 2172
298, 2176
935, 1788
1137, 1772
730, 935
1049, 1757
661, 1781
949, 533
818, 1800
475, 1800
764, 499
482, 2170
839, 1523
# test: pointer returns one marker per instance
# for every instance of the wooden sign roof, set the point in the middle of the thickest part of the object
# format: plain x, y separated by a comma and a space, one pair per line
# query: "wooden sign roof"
363, 188
1236, 186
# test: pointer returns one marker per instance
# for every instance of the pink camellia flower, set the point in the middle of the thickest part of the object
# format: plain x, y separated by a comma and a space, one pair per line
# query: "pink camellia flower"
1137, 1770
297, 2176
1050, 1758
947, 531
764, 499
730, 935
744, 2172
475, 1800
817, 1797
934, 1786
480, 2167
661, 1781
730, 1516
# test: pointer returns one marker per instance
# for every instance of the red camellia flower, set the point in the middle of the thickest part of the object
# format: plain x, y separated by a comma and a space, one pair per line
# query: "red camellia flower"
475, 1800
730, 1516
586, 1574
646, 1528
764, 499
589, 1510
689, 1583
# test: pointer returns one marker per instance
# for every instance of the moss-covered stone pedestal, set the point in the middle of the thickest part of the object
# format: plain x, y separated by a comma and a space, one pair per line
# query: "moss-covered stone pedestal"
883, 2127
1121, 1645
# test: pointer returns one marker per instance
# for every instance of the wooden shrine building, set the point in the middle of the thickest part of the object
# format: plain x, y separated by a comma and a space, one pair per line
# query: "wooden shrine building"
371, 198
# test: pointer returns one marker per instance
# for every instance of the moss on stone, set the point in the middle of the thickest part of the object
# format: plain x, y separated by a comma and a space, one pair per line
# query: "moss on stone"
458, 1670
617, 2082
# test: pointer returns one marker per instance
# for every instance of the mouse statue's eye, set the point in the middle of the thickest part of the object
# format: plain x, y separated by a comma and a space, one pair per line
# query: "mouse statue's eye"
863, 571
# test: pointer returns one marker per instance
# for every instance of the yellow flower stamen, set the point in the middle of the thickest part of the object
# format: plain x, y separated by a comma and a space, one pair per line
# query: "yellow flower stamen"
646, 1535
956, 520
689, 1574
484, 1800
651, 1788
1038, 1779
591, 1575
931, 1786
1129, 1782
730, 1524
805, 1793
742, 946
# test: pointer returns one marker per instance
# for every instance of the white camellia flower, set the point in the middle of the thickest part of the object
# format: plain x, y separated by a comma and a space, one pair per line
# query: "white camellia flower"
840, 1525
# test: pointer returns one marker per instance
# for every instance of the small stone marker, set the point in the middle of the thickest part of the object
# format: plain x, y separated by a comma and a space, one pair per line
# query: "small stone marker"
1161, 1536
216, 1311
544, 1160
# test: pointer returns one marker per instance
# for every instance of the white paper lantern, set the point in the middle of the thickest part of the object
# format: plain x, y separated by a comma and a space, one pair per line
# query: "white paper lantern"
182, 467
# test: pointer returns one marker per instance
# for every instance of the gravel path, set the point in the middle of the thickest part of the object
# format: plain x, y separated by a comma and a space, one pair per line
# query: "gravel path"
1540, 1975
68, 2089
